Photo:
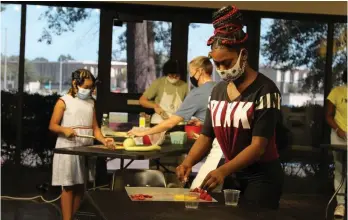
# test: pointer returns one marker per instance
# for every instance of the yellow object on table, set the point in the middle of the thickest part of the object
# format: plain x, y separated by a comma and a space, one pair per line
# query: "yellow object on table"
143, 148
181, 197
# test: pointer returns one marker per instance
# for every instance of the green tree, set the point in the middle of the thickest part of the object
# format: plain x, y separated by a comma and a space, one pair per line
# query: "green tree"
40, 59
291, 44
147, 57
12, 65
67, 57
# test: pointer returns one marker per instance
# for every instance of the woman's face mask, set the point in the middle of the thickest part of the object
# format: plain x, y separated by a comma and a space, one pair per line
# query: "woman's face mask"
83, 93
233, 73
193, 80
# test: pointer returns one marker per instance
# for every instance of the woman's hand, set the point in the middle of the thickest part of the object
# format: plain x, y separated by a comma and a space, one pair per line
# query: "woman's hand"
213, 179
69, 132
108, 142
340, 133
182, 172
135, 133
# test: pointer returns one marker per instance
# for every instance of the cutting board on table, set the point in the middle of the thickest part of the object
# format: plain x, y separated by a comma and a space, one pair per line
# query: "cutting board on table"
160, 194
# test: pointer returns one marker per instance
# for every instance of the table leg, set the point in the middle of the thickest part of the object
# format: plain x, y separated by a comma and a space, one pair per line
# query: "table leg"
121, 163
121, 168
344, 174
129, 163
161, 165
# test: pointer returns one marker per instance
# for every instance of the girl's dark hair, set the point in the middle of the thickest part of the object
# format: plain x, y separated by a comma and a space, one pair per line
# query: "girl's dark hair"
228, 25
344, 76
79, 77
171, 66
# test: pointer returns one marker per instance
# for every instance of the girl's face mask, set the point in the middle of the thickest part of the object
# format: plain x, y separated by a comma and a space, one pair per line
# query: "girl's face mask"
233, 73
83, 93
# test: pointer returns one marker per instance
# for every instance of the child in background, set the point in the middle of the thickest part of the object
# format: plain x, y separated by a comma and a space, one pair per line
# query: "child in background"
73, 115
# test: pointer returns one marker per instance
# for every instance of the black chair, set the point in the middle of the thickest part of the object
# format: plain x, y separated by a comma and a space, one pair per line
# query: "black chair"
137, 178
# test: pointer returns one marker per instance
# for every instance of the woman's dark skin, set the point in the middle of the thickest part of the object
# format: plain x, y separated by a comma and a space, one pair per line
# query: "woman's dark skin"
224, 59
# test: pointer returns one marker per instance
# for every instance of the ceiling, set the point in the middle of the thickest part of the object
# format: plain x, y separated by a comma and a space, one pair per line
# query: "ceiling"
312, 7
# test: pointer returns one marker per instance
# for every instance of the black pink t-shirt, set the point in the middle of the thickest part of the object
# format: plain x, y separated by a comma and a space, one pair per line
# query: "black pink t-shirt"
254, 113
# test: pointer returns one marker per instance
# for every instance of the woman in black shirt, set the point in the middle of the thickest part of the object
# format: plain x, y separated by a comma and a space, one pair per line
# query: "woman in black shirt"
242, 114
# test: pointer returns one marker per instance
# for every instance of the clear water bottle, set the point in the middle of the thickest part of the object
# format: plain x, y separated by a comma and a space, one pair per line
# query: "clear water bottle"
105, 124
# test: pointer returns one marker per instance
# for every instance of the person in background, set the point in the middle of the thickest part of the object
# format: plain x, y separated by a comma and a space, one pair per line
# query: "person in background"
74, 115
194, 105
336, 117
165, 94
242, 114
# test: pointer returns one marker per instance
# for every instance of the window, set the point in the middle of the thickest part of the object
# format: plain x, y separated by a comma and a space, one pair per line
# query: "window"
199, 34
57, 45
10, 29
339, 62
291, 47
148, 55
10, 41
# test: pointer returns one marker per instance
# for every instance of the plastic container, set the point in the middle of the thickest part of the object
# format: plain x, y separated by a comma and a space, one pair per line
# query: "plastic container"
178, 137
191, 130
154, 139
142, 120
105, 125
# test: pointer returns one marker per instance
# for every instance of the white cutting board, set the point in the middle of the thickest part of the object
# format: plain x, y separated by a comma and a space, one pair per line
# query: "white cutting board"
159, 193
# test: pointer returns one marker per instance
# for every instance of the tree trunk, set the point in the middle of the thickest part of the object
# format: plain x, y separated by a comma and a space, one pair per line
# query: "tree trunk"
141, 58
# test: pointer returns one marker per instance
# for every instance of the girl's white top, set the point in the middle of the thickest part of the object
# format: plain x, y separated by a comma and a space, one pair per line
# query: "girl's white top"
69, 170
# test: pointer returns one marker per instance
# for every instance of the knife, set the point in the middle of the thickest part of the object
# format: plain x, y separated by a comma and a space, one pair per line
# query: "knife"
85, 136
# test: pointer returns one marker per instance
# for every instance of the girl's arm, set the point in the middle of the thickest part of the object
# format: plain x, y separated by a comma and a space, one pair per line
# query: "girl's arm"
56, 118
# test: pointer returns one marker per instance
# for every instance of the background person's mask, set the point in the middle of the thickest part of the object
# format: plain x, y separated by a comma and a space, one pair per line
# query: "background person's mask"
171, 80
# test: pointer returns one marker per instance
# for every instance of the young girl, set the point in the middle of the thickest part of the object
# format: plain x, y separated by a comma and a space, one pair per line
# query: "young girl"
74, 115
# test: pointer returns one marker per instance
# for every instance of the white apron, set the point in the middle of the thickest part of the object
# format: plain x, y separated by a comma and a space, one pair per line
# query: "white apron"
211, 162
169, 103
67, 169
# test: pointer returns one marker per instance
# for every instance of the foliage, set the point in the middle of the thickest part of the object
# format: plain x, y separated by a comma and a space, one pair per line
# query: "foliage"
37, 111
61, 20
40, 59
12, 69
65, 58
291, 44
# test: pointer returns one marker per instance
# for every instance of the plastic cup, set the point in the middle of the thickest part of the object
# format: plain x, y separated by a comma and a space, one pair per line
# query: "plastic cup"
191, 200
231, 197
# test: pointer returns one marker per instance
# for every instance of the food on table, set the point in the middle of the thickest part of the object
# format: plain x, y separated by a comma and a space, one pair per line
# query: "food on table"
120, 134
140, 196
119, 147
179, 197
146, 140
203, 194
129, 142
143, 148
